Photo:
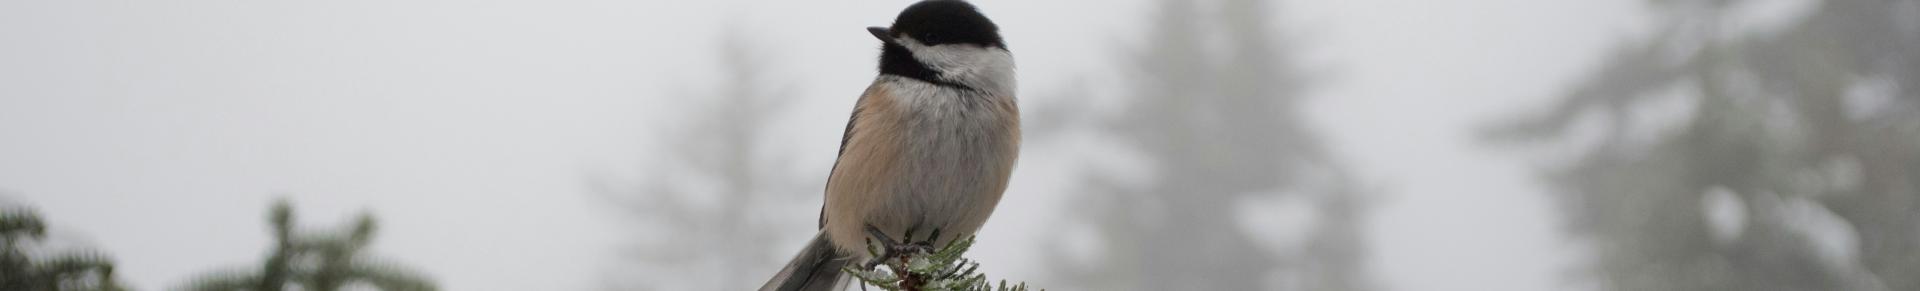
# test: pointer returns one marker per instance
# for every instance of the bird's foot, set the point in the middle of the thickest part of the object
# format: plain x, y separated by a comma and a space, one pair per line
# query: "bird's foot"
892, 249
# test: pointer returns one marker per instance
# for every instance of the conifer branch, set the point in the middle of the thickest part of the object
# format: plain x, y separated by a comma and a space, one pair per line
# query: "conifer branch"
942, 270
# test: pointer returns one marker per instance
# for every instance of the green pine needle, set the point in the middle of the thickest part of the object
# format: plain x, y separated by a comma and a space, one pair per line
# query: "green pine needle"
942, 270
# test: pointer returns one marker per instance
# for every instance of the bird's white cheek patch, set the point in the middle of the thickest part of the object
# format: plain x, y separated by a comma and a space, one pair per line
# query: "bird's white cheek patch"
990, 68
942, 57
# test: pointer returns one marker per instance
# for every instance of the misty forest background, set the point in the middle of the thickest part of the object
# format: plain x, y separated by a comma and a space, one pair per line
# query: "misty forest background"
1705, 153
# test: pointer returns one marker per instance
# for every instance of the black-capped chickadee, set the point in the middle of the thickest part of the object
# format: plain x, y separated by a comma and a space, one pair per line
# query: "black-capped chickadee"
928, 150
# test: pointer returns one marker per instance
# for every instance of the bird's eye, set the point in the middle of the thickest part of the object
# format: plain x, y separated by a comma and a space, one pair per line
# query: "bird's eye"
930, 38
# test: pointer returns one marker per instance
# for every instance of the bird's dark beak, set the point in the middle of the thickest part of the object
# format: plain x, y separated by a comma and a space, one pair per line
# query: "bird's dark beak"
885, 35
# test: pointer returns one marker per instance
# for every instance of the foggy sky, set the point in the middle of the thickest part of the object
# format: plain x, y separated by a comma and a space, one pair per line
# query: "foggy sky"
159, 131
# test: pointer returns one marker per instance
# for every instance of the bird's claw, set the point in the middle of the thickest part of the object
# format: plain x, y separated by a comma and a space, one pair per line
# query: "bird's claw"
890, 248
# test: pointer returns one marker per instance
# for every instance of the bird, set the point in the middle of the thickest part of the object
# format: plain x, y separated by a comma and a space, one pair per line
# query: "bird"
928, 151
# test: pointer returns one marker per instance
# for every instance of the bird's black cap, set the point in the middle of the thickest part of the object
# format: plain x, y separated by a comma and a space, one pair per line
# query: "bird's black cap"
933, 22
936, 22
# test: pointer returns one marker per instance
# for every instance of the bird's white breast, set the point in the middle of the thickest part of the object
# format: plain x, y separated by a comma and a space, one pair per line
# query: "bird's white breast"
957, 149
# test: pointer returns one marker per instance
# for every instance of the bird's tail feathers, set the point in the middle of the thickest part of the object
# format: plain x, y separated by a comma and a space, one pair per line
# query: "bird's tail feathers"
816, 268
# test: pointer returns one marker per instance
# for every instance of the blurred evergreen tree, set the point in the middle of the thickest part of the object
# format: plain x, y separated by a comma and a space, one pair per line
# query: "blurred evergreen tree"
1215, 108
316, 262
1794, 163
708, 213
22, 229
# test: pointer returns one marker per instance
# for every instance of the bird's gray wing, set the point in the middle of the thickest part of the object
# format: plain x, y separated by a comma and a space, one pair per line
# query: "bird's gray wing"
845, 135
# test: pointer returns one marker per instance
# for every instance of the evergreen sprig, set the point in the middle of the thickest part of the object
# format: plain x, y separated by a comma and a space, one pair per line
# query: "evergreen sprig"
942, 270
